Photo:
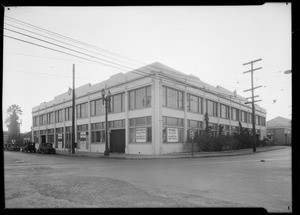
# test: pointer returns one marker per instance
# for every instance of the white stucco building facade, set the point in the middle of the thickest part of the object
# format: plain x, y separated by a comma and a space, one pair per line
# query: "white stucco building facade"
152, 110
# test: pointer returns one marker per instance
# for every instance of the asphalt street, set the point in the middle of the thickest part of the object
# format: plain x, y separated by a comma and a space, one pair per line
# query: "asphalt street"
62, 181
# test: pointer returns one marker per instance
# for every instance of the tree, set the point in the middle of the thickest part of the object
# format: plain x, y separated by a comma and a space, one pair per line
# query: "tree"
221, 130
12, 123
207, 127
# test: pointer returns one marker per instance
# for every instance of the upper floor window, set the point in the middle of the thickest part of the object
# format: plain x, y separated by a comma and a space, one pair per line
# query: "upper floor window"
224, 111
97, 107
263, 121
35, 121
235, 114
81, 110
42, 119
243, 116
50, 118
194, 103
117, 103
140, 98
68, 113
59, 115
257, 120
172, 98
212, 108
249, 117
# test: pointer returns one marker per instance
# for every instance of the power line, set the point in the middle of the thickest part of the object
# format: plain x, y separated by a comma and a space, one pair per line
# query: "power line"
83, 43
39, 73
65, 37
135, 71
208, 90
65, 43
68, 53
56, 50
64, 47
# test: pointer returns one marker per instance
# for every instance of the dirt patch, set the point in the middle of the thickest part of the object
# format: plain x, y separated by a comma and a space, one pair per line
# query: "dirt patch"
104, 192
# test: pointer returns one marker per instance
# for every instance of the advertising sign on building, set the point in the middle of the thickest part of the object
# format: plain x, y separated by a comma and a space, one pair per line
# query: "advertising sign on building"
140, 135
59, 140
82, 140
172, 134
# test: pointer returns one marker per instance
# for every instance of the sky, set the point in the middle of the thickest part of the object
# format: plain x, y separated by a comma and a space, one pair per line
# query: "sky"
210, 42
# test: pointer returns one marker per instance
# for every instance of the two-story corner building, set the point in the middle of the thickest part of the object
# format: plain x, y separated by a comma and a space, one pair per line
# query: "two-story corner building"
151, 113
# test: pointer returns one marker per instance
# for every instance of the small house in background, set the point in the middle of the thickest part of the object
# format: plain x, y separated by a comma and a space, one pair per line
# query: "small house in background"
26, 136
279, 130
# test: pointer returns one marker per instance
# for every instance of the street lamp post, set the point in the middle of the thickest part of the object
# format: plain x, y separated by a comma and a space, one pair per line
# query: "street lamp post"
106, 100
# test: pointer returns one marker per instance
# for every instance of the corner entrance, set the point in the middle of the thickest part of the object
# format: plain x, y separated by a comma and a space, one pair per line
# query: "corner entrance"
117, 140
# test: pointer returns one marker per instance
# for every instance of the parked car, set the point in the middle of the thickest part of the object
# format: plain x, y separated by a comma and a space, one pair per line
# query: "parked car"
46, 148
28, 147
14, 148
6, 146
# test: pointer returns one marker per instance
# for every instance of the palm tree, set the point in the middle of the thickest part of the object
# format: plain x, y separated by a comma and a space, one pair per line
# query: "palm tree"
14, 109
12, 121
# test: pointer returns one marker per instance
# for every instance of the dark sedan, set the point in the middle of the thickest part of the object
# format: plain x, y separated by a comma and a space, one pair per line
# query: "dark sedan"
46, 148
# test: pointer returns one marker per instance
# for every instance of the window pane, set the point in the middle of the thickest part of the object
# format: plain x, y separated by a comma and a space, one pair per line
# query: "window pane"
180, 95
210, 107
149, 134
84, 113
193, 100
140, 121
148, 96
118, 124
131, 122
123, 101
131, 135
117, 103
164, 96
131, 99
148, 120
103, 136
215, 108
140, 98
172, 98
200, 105
171, 121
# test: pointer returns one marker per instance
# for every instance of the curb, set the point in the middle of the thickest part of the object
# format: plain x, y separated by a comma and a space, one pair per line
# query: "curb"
172, 156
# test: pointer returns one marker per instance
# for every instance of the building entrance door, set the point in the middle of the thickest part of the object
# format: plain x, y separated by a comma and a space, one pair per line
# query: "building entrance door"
43, 138
117, 140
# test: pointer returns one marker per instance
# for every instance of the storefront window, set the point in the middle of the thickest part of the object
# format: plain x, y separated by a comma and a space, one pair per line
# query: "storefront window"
172, 130
140, 130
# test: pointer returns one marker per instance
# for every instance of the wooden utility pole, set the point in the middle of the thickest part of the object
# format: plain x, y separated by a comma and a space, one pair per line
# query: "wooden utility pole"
253, 107
73, 113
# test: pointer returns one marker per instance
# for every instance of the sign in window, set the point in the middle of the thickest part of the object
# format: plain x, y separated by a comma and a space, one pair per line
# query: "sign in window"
140, 135
172, 135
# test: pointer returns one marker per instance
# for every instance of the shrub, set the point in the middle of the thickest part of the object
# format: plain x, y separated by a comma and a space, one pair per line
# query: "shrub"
219, 143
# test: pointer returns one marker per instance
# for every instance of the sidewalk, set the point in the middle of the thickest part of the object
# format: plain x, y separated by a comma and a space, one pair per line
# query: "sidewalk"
173, 155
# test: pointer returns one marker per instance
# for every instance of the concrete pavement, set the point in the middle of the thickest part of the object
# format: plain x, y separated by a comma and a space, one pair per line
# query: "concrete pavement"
172, 155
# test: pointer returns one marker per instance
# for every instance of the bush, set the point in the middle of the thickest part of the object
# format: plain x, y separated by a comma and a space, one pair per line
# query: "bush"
219, 143
203, 143
246, 141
